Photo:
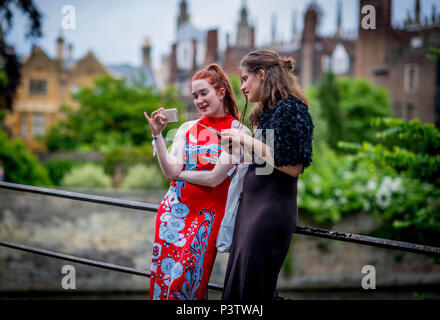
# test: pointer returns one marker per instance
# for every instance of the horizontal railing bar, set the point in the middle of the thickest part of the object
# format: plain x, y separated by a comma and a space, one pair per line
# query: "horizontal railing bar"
309, 231
89, 262
370, 241
80, 196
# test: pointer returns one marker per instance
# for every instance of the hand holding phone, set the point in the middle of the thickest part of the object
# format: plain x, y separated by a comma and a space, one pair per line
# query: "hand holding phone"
171, 115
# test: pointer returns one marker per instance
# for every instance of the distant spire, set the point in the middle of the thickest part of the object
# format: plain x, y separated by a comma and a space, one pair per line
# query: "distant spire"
183, 14
339, 19
294, 25
434, 14
417, 12
274, 28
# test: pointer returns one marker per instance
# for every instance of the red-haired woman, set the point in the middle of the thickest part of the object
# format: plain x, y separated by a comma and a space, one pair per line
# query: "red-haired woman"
190, 215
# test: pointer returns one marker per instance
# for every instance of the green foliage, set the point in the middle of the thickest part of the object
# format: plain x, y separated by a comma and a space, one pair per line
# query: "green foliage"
110, 115
410, 152
407, 147
434, 54
122, 158
87, 176
58, 168
20, 165
141, 176
3, 77
329, 98
241, 99
346, 106
56, 140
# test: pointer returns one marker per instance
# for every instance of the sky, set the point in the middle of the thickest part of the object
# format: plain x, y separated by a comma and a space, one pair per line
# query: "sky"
115, 29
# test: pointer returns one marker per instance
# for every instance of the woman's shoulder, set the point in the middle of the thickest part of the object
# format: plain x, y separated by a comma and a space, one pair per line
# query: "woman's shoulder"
291, 104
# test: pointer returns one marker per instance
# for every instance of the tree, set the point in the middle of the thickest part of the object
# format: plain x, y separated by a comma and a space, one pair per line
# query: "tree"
109, 116
347, 106
20, 165
9, 63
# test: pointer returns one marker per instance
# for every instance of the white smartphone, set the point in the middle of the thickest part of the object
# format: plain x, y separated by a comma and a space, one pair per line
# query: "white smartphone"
170, 114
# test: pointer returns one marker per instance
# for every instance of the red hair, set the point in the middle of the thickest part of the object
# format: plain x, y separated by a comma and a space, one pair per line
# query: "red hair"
218, 79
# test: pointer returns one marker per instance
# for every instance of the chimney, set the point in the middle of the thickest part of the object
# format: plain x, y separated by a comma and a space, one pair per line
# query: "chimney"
70, 51
194, 43
146, 52
211, 47
417, 9
251, 37
60, 47
173, 65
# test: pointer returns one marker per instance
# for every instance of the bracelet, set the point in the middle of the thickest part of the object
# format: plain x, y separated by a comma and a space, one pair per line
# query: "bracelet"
155, 137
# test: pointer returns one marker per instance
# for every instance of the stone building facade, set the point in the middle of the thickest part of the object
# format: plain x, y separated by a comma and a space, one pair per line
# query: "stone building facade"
389, 56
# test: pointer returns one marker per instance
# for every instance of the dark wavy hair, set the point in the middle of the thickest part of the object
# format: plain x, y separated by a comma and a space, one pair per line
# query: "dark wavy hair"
279, 81
218, 79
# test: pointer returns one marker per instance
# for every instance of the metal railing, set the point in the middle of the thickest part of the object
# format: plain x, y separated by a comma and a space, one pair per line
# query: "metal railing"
315, 232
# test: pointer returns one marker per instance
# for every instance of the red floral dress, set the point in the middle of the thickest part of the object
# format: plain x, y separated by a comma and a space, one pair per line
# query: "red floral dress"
188, 221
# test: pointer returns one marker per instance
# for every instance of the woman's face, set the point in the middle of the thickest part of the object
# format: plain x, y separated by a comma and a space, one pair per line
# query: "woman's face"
207, 100
251, 84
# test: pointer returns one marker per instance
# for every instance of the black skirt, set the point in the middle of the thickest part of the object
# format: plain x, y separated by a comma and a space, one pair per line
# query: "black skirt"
266, 219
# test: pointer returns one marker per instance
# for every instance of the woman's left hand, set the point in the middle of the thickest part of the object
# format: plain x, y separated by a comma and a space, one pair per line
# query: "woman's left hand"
237, 136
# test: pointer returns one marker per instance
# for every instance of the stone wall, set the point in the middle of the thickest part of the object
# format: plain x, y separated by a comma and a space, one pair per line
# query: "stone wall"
124, 237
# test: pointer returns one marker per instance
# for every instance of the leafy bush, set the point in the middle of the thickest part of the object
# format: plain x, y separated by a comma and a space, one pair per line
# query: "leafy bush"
58, 168
141, 176
347, 106
87, 176
122, 158
109, 115
20, 165
410, 152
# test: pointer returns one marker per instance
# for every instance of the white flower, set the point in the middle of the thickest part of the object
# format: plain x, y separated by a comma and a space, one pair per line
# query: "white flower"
371, 186
338, 192
317, 190
316, 178
156, 292
383, 198
177, 270
343, 200
167, 265
176, 224
396, 185
387, 181
347, 175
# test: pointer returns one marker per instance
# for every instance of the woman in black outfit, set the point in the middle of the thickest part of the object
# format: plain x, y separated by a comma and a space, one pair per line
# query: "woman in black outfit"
282, 149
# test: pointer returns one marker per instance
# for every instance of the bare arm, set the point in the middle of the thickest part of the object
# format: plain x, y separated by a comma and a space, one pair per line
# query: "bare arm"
171, 163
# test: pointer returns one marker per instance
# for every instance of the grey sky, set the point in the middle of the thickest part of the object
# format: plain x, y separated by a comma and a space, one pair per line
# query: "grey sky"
115, 29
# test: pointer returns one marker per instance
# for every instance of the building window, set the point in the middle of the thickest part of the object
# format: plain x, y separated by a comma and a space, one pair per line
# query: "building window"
411, 78
325, 63
409, 111
340, 60
38, 124
24, 125
37, 87
74, 89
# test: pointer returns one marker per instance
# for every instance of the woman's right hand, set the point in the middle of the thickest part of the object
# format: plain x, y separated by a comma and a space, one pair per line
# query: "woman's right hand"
157, 121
